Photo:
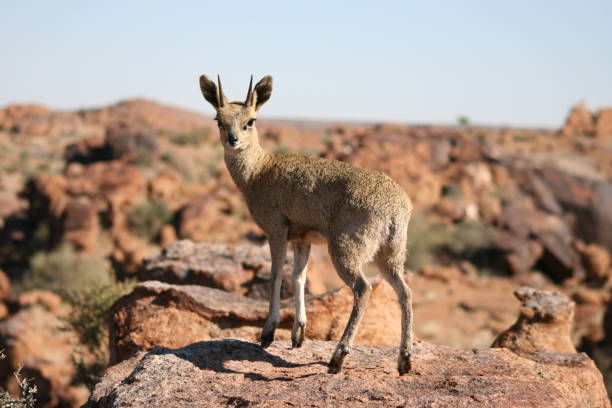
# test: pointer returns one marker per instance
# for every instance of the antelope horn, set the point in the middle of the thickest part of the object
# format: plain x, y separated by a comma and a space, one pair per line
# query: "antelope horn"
249, 97
220, 97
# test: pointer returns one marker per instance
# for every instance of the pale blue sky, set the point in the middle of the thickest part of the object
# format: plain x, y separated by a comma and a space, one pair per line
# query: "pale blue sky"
498, 62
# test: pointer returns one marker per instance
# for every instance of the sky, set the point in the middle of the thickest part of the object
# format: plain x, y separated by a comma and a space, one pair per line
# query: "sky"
520, 63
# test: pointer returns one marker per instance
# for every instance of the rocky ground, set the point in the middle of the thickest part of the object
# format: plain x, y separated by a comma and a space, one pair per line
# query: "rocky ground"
139, 189
238, 373
532, 364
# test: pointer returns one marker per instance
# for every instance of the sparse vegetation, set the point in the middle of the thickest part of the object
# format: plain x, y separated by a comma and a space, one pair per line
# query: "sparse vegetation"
194, 138
459, 241
63, 269
463, 120
89, 320
27, 397
143, 157
146, 219
282, 150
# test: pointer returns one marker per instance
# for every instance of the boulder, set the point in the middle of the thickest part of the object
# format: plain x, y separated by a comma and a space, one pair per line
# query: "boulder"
71, 203
597, 262
160, 314
5, 286
240, 269
132, 139
544, 323
589, 202
9, 204
603, 123
241, 374
32, 339
88, 150
579, 121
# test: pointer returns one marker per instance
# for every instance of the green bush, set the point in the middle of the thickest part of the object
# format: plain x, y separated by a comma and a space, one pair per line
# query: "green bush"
28, 392
459, 241
89, 320
63, 269
146, 219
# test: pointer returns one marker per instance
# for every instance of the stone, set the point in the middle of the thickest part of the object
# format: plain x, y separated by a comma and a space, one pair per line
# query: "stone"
130, 139
603, 123
544, 323
597, 262
5, 286
579, 121
240, 269
31, 338
239, 373
160, 314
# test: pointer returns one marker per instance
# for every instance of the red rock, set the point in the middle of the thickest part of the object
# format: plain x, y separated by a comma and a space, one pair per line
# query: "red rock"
544, 323
9, 204
80, 223
241, 269
5, 286
240, 373
167, 235
159, 314
131, 140
88, 150
579, 121
597, 262
603, 123
31, 339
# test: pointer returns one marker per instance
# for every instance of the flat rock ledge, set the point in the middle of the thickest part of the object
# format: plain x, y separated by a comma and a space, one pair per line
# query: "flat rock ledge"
239, 373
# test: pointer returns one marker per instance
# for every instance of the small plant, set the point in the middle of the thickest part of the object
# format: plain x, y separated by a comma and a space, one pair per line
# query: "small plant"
463, 120
89, 320
27, 399
63, 269
146, 219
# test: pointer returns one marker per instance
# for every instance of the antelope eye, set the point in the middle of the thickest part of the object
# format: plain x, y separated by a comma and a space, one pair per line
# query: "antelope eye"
249, 124
219, 124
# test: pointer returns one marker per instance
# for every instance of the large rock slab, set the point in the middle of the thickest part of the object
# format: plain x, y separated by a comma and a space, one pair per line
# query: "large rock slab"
241, 374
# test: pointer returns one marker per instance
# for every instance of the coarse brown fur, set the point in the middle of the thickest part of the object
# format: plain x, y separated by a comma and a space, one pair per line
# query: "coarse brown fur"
361, 214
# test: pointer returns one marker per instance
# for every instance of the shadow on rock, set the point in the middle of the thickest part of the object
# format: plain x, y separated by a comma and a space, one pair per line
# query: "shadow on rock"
213, 355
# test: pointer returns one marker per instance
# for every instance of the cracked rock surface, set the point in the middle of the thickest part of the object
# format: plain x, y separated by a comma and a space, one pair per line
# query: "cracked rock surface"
238, 373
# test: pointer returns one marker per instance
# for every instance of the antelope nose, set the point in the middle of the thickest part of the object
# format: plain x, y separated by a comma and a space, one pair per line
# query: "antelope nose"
232, 139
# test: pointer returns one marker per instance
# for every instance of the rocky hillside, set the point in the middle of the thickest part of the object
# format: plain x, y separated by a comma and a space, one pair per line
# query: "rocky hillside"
138, 191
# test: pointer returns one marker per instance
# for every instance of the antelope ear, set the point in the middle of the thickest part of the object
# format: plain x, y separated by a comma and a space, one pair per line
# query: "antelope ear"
209, 90
262, 91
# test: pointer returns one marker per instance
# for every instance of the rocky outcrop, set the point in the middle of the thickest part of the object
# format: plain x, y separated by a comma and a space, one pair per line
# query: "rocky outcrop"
5, 289
128, 140
582, 121
544, 323
160, 314
239, 269
240, 373
31, 338
36, 120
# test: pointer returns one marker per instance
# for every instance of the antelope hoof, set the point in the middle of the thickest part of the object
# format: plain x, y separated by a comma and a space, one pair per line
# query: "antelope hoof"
297, 336
335, 364
267, 337
404, 364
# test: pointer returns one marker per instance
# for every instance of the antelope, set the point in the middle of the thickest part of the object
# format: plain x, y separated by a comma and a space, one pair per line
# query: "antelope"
362, 215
